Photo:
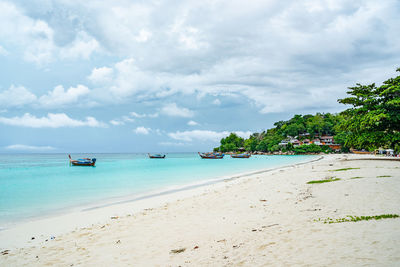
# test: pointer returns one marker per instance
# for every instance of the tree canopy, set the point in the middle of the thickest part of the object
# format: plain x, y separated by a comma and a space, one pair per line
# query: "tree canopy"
373, 121
300, 126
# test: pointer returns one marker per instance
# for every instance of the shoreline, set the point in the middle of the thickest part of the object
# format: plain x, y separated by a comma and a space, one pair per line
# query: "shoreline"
143, 194
262, 218
169, 192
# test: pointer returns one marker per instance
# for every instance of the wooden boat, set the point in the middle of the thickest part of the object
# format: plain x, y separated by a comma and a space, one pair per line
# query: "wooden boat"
156, 156
241, 156
211, 155
82, 162
360, 152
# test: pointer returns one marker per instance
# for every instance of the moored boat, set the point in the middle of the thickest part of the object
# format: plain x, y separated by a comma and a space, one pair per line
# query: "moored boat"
156, 156
211, 155
82, 162
241, 156
360, 152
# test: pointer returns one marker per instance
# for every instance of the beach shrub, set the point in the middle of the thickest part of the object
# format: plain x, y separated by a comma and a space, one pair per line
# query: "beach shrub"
323, 181
350, 218
345, 169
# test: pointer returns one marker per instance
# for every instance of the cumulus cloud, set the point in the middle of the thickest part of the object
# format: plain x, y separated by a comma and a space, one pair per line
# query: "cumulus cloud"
204, 135
20, 147
117, 122
143, 36
137, 115
16, 96
143, 115
142, 130
217, 102
82, 47
60, 97
101, 75
192, 123
172, 109
284, 52
19, 96
131, 118
36, 39
285, 57
52, 120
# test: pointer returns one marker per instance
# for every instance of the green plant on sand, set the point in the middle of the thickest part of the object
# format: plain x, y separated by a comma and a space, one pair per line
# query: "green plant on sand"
357, 177
345, 169
382, 176
350, 218
323, 181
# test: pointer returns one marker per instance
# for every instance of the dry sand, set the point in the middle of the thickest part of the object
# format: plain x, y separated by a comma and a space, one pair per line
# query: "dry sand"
260, 220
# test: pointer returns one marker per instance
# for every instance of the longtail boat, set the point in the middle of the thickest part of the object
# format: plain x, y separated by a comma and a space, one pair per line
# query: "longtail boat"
360, 152
156, 156
82, 162
241, 156
211, 155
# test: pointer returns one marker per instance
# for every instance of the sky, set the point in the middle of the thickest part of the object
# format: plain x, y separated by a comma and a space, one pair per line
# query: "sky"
177, 76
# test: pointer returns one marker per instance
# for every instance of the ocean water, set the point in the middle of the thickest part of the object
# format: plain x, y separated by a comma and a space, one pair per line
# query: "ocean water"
34, 185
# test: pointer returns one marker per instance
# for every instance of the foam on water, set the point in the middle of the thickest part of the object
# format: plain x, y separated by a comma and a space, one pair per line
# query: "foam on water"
33, 185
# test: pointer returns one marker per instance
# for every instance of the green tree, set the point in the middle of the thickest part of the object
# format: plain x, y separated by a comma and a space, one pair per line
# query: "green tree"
231, 143
374, 118
250, 144
262, 146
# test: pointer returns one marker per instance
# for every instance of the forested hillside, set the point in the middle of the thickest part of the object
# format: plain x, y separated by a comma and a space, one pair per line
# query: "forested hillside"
372, 121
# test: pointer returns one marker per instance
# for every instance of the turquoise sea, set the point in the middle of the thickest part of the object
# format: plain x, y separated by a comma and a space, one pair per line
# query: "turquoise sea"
34, 185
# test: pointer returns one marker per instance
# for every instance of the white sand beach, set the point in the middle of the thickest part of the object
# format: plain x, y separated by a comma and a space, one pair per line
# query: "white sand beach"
266, 219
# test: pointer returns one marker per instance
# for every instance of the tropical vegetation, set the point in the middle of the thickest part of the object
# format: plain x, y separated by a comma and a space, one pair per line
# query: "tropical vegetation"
371, 122
300, 126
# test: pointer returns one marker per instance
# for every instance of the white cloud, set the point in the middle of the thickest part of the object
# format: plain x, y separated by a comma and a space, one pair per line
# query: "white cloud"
16, 96
192, 123
59, 97
19, 96
117, 122
101, 75
143, 115
189, 37
173, 110
142, 130
131, 118
204, 135
52, 120
36, 39
127, 119
33, 35
217, 102
29, 148
143, 36
137, 115
82, 47
154, 115
285, 51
